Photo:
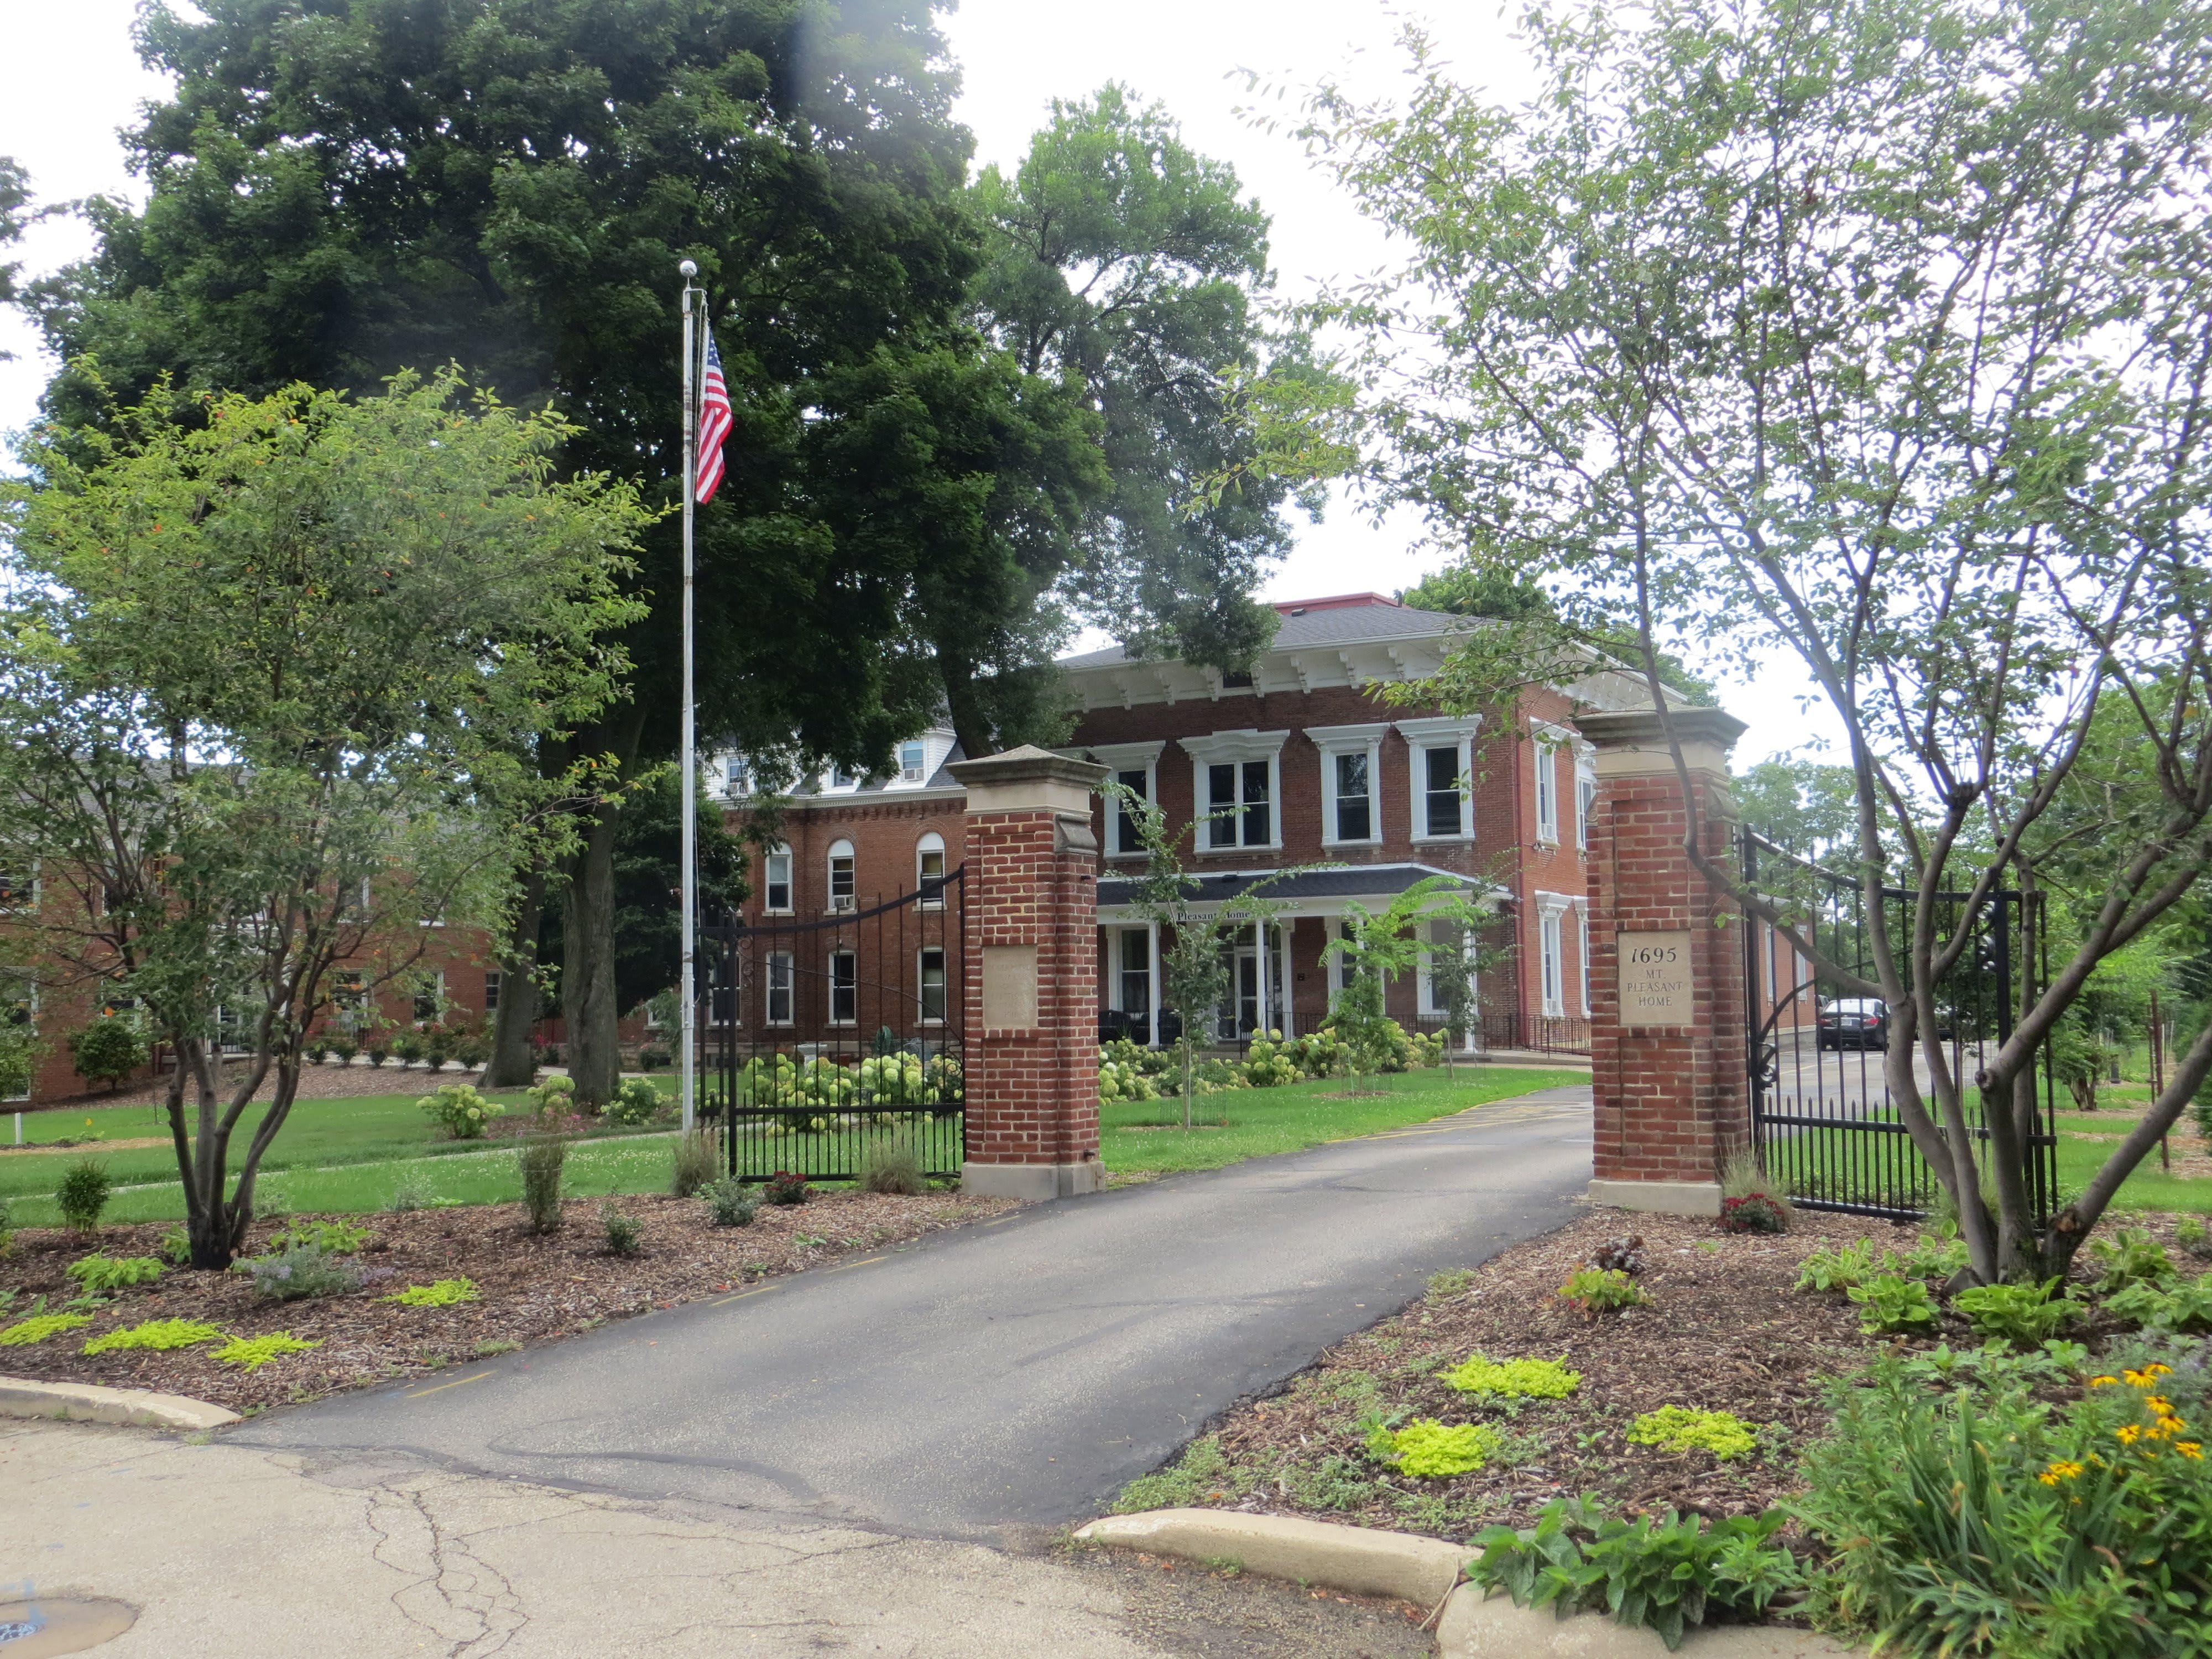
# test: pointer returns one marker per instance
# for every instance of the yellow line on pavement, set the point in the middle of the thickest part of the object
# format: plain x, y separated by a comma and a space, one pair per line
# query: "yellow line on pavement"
457, 1383
848, 1266
723, 1301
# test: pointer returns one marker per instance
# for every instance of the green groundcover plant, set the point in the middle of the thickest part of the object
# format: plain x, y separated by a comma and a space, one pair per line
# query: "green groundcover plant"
39, 1327
1966, 1512
252, 1353
1525, 1379
1684, 1428
444, 1293
1432, 1451
162, 1336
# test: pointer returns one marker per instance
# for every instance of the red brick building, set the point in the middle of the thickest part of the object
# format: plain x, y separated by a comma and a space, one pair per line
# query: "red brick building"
1301, 762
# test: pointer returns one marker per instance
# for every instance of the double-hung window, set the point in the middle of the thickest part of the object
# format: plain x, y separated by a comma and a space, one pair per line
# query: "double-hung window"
929, 872
841, 884
1551, 951
493, 983
775, 881
910, 756
929, 976
776, 966
1585, 798
1136, 971
1441, 752
1581, 952
1235, 780
844, 987
1135, 768
1545, 742
1350, 779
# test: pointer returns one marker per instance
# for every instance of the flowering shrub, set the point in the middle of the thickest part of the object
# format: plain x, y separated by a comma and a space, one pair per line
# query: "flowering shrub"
1268, 1063
1683, 1428
1119, 1080
1430, 1449
1318, 1053
159, 1334
458, 1109
39, 1327
252, 1353
1527, 1379
1754, 1213
553, 1095
635, 1103
444, 1293
1600, 1289
787, 1187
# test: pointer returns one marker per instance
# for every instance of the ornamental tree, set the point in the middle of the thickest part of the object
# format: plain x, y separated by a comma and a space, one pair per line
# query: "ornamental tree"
1878, 335
268, 678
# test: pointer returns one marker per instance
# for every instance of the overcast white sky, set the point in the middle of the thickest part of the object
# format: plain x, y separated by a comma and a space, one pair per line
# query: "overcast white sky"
73, 79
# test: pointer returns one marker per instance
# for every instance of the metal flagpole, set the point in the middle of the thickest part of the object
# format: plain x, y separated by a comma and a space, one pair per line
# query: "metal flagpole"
687, 1077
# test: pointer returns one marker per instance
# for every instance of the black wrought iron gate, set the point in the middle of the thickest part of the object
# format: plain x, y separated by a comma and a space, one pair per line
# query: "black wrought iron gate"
839, 1039
1823, 1119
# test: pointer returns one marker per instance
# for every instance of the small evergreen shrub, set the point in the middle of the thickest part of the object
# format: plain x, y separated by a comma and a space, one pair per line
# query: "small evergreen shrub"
379, 1050
1667, 1574
302, 1271
729, 1202
108, 1050
892, 1166
104, 1275
1432, 1451
635, 1103
1894, 1304
252, 1353
787, 1187
444, 1293
697, 1160
625, 1235
39, 1327
1684, 1428
1523, 1379
1600, 1289
543, 1157
2023, 1315
458, 1109
408, 1046
162, 1336
343, 1047
82, 1195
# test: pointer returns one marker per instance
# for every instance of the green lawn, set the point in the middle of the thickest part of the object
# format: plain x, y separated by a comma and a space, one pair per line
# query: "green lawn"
1263, 1121
341, 1155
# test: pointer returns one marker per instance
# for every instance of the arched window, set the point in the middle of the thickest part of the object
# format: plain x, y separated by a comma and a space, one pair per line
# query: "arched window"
841, 887
775, 881
929, 868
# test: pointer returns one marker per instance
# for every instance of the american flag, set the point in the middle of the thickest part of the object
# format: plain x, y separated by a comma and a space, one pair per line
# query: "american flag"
713, 424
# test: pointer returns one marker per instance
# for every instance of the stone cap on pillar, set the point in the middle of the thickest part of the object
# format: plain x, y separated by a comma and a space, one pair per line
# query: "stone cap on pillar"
1634, 742
1028, 780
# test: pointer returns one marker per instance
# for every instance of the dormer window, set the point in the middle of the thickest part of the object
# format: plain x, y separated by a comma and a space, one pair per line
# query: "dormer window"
910, 762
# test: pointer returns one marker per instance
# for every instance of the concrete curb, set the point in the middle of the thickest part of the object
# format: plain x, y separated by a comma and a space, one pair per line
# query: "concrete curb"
1354, 1560
1475, 1628
87, 1402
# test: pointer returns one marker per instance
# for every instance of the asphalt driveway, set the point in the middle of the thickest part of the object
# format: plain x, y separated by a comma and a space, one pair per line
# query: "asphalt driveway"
1015, 1373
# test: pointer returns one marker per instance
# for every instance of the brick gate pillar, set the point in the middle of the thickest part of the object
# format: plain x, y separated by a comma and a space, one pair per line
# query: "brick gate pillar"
1668, 1046
1030, 1003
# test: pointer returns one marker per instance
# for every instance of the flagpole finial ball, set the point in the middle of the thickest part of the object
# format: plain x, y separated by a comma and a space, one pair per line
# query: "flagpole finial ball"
689, 270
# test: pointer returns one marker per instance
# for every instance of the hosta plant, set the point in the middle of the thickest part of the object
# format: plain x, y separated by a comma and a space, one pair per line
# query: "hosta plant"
2186, 1306
104, 1275
2130, 1256
1893, 1304
1837, 1267
2024, 1315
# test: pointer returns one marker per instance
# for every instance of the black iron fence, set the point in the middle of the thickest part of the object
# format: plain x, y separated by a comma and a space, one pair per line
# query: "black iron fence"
1824, 1120
837, 1041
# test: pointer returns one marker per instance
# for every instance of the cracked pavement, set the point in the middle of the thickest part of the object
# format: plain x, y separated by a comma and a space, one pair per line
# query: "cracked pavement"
814, 1466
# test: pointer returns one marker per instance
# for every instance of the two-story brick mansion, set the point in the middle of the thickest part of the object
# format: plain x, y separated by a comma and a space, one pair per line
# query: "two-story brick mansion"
1300, 765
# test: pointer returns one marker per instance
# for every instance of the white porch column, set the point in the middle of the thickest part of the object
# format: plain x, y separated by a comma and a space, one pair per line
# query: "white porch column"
1260, 970
1153, 951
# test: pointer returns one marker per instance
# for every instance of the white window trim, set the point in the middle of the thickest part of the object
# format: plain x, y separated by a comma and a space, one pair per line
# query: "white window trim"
830, 904
921, 846
1585, 774
1545, 742
1334, 740
1422, 735
1235, 748
1581, 952
790, 988
781, 850
1128, 758
1552, 951
920, 767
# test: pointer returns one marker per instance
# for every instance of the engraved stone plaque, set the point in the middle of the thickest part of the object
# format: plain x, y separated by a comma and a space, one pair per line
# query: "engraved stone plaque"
1010, 988
1654, 978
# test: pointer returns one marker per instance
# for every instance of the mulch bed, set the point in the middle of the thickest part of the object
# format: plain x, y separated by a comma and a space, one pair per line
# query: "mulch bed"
534, 1288
1724, 1331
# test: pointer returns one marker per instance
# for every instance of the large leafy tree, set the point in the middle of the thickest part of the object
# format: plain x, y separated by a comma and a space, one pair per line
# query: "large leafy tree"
1122, 259
266, 689
339, 192
1878, 334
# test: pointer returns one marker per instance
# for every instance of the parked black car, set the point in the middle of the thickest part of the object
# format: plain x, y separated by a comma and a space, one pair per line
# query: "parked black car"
1855, 1023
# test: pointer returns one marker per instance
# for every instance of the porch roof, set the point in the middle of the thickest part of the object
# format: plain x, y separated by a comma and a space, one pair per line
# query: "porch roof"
1303, 893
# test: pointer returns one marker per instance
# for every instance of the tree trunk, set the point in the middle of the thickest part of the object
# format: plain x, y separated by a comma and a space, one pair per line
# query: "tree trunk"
587, 969
513, 1062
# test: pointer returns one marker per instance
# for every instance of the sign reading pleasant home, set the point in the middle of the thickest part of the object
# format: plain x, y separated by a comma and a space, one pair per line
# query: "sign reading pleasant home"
1654, 978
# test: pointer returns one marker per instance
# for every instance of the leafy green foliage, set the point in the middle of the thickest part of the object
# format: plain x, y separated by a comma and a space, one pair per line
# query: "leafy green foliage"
2191, 1232
2186, 1306
162, 1336
1684, 1428
1374, 948
624, 1234
444, 1293
2130, 1256
1754, 1213
636, 1102
82, 1195
1837, 1267
2024, 1315
1893, 1304
459, 1110
252, 1353
1601, 1290
299, 1271
39, 1327
1431, 1450
333, 1237
108, 1050
541, 1158
731, 1202
102, 1275
787, 1187
176, 1247
1526, 1379
1667, 1574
